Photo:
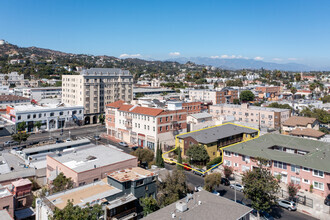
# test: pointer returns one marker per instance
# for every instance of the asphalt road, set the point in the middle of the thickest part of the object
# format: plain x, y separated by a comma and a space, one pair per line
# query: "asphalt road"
72, 133
229, 193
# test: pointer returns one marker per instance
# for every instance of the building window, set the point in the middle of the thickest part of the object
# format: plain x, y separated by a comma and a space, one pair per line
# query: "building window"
280, 165
139, 183
295, 180
236, 164
166, 127
166, 118
318, 173
318, 185
145, 127
227, 153
295, 169
34, 115
236, 154
153, 128
306, 181
40, 115
52, 114
28, 116
227, 163
160, 119
160, 128
19, 118
61, 113
305, 169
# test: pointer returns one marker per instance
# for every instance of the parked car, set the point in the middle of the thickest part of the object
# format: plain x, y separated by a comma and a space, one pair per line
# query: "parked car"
216, 193
327, 200
136, 147
124, 144
169, 161
34, 142
59, 141
97, 137
10, 143
263, 215
68, 140
187, 167
290, 205
198, 188
237, 186
43, 131
200, 173
214, 166
225, 181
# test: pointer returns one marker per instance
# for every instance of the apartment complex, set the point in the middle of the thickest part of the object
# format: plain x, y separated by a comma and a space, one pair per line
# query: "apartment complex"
95, 88
261, 117
297, 160
269, 92
215, 138
144, 126
39, 93
226, 95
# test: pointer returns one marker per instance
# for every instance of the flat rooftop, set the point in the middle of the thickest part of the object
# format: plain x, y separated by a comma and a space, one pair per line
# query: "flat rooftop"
54, 147
4, 192
317, 156
211, 207
89, 157
213, 134
130, 174
253, 108
83, 194
45, 107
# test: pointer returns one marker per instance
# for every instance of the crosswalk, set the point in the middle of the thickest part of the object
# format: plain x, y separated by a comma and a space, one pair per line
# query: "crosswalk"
90, 137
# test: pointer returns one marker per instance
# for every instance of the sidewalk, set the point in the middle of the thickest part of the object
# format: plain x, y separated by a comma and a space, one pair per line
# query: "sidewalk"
111, 138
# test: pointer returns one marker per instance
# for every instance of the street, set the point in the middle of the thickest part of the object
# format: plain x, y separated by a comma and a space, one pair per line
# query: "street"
229, 193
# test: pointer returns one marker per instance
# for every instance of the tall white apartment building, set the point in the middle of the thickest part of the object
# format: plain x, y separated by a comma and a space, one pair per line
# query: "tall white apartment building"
95, 88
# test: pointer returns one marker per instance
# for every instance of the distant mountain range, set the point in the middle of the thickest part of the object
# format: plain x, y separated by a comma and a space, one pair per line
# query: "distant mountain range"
245, 64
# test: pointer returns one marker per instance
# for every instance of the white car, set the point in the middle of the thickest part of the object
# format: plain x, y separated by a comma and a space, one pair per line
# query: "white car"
124, 144
237, 187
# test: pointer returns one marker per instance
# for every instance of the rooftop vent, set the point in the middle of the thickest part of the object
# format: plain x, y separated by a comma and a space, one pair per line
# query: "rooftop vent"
91, 158
181, 206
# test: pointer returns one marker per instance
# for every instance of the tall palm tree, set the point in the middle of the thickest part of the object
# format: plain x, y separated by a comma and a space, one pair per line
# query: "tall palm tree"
312, 87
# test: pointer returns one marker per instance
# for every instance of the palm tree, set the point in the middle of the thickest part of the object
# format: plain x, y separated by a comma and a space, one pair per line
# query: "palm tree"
278, 74
312, 87
298, 77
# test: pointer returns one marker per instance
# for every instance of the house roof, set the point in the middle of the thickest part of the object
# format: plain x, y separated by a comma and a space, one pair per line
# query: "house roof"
130, 174
116, 104
13, 98
317, 157
213, 134
21, 182
211, 207
299, 121
141, 110
309, 132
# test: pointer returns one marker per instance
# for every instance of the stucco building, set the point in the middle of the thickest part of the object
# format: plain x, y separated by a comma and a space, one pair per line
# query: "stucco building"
226, 95
95, 88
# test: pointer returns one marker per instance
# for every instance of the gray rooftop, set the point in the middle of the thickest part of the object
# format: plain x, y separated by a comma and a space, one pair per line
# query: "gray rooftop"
212, 207
254, 108
213, 134
318, 157
201, 115
86, 158
105, 72
53, 147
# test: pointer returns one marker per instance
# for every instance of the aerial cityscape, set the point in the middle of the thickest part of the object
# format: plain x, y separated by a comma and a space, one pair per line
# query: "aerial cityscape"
186, 110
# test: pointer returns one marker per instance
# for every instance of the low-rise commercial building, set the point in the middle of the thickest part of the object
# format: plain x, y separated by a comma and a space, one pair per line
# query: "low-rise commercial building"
199, 121
226, 95
51, 116
13, 100
215, 138
144, 126
88, 164
39, 93
297, 160
261, 117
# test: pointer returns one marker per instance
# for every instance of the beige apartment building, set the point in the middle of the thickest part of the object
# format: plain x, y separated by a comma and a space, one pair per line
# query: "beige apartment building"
95, 88
261, 117
226, 95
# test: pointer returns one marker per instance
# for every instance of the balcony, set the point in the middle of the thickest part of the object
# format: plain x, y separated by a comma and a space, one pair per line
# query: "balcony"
128, 117
128, 214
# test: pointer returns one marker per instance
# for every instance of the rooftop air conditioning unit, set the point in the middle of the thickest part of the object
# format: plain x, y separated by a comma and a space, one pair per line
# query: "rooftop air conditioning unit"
181, 206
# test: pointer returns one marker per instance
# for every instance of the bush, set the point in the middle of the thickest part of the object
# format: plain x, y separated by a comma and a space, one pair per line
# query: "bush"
212, 162
227, 171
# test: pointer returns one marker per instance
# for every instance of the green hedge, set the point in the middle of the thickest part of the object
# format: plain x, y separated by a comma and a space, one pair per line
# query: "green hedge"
212, 162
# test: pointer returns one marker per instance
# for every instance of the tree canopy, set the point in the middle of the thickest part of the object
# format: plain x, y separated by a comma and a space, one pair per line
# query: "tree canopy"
20, 137
211, 181
61, 182
76, 213
260, 187
143, 155
282, 106
197, 153
321, 115
246, 96
149, 205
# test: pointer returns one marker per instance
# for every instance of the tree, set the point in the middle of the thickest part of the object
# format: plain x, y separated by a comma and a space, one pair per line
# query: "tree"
172, 188
143, 155
179, 159
61, 183
321, 115
197, 153
211, 181
21, 126
312, 87
293, 190
101, 118
37, 124
260, 187
236, 101
227, 171
246, 96
20, 137
149, 205
216, 160
76, 213
215, 85
297, 77
282, 106
159, 157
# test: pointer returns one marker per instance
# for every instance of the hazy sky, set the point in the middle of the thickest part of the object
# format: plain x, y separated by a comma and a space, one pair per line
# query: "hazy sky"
277, 31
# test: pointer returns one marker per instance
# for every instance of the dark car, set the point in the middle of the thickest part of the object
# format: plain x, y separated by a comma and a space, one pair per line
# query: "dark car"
186, 167
34, 142
225, 181
59, 141
327, 200
200, 172
97, 137
136, 147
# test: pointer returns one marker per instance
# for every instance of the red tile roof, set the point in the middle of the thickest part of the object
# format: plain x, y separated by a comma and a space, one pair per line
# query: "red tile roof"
116, 104
125, 108
147, 111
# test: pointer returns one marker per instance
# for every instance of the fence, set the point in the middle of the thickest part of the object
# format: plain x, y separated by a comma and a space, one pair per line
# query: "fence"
303, 200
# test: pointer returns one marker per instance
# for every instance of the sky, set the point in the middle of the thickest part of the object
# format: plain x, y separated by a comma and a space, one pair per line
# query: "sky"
274, 31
